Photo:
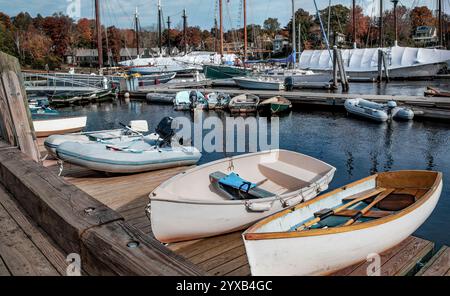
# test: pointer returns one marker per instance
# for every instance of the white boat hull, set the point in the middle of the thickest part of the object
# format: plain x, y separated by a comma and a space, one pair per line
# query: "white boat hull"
104, 160
255, 84
353, 107
174, 219
418, 72
330, 252
45, 128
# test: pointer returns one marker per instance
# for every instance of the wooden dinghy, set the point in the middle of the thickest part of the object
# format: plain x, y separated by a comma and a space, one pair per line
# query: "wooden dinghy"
275, 105
59, 126
245, 103
343, 227
194, 204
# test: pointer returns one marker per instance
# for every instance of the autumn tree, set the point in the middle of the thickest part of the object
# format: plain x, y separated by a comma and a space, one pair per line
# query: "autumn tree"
362, 26
339, 18
306, 21
403, 24
422, 16
84, 32
6, 35
59, 29
272, 26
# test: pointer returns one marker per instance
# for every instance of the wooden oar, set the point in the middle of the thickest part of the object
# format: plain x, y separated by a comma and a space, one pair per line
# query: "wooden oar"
328, 213
130, 129
364, 211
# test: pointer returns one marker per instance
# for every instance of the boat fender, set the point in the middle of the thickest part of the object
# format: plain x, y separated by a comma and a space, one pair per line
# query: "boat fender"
258, 207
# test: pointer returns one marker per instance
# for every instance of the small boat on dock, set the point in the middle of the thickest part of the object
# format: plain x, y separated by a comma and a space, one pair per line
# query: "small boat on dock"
377, 112
134, 156
126, 158
59, 126
259, 83
182, 101
245, 103
233, 193
218, 101
343, 227
187, 100
275, 105
129, 133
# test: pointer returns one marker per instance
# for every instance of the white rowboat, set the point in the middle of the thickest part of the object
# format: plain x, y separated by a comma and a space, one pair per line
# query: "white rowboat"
47, 127
189, 206
290, 243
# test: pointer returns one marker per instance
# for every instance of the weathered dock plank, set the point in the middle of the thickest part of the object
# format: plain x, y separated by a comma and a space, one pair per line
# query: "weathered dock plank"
18, 251
45, 245
399, 260
118, 242
3, 269
57, 206
439, 265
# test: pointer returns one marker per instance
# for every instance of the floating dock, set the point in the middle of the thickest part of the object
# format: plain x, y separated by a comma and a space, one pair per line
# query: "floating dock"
430, 108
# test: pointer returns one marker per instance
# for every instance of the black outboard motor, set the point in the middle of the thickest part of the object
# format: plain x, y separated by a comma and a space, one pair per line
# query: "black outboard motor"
193, 98
165, 131
289, 83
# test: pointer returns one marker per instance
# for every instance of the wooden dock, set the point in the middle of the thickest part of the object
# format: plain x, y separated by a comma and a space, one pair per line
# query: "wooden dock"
222, 255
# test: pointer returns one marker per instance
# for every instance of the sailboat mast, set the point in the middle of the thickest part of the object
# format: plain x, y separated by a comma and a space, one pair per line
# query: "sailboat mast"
354, 23
185, 31
136, 19
294, 39
381, 25
168, 34
245, 31
159, 27
221, 27
441, 36
98, 25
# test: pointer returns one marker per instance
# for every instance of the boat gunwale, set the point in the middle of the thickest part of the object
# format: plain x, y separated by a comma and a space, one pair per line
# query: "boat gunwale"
180, 199
250, 235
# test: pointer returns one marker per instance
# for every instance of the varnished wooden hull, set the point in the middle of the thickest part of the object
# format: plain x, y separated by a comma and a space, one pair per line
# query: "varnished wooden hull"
322, 251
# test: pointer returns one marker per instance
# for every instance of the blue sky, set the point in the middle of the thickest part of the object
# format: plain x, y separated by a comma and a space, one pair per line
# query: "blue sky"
200, 12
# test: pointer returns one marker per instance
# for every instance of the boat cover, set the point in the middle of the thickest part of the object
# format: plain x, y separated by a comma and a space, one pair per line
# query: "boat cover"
366, 59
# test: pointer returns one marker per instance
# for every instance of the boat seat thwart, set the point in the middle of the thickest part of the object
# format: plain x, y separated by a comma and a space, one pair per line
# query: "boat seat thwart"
234, 187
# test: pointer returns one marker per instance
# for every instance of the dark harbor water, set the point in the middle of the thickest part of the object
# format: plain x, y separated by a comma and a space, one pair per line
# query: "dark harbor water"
357, 148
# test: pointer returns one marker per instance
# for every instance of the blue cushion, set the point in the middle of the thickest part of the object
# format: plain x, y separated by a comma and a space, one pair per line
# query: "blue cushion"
235, 181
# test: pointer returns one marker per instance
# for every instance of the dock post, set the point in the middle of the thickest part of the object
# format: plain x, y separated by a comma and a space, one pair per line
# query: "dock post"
16, 125
335, 67
342, 73
385, 66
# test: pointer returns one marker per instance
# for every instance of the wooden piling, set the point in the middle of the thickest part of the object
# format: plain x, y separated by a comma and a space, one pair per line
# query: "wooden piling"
74, 220
15, 117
